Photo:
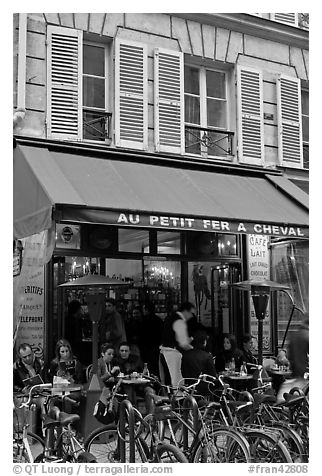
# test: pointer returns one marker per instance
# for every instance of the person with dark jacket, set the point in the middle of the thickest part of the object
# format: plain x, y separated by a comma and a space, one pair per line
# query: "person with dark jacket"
126, 361
65, 364
150, 339
26, 366
198, 361
111, 327
175, 340
228, 353
246, 350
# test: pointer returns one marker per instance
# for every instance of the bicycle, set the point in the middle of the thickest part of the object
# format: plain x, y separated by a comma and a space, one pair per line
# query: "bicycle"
180, 421
27, 445
108, 443
60, 444
266, 443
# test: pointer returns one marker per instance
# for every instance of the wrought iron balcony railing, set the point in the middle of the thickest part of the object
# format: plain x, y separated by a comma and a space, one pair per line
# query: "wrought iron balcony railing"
96, 125
208, 142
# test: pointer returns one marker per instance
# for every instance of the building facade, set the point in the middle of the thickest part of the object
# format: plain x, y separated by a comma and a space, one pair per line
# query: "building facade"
170, 151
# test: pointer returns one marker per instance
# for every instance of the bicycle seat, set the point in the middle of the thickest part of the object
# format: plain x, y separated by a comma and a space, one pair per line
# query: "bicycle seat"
50, 422
238, 406
291, 400
264, 398
159, 400
67, 418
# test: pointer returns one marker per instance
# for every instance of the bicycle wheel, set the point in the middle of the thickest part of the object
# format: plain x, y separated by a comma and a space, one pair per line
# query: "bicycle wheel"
166, 453
266, 448
36, 446
102, 444
222, 446
292, 441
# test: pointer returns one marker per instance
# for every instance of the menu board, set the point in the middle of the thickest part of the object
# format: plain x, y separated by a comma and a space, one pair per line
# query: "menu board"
259, 269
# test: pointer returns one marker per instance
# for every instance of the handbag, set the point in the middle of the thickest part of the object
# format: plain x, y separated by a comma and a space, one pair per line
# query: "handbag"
106, 409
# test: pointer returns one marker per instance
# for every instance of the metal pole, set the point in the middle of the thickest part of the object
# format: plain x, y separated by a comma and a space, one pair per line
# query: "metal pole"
260, 341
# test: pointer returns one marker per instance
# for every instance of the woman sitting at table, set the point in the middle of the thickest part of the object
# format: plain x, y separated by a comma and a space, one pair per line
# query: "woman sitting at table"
107, 368
228, 354
67, 366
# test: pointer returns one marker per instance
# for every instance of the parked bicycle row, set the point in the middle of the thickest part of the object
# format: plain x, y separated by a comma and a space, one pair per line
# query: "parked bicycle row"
222, 424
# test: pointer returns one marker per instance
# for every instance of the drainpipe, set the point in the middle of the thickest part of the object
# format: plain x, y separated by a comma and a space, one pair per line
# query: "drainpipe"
20, 112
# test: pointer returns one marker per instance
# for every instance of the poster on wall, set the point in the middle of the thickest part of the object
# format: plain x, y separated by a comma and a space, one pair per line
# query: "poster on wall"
31, 319
199, 276
29, 291
258, 269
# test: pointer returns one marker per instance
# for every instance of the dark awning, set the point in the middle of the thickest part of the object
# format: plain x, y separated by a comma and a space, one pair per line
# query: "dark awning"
100, 190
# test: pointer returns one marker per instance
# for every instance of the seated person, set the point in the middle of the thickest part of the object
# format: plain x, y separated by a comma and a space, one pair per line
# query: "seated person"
228, 353
28, 370
128, 362
25, 367
65, 364
246, 350
107, 369
198, 361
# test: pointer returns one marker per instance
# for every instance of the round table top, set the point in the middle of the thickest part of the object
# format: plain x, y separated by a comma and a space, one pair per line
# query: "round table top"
239, 377
285, 373
134, 380
72, 387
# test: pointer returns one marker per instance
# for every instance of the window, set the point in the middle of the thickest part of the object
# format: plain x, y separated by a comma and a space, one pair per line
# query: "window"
78, 76
305, 127
95, 88
206, 112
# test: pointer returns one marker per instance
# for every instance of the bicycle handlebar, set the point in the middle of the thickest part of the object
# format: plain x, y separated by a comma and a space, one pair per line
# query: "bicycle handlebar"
31, 391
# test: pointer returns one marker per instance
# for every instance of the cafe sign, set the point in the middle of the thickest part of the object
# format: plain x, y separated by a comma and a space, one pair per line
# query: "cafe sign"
179, 222
259, 270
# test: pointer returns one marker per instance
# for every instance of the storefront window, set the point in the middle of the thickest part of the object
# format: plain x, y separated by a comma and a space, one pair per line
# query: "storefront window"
135, 241
290, 266
168, 242
227, 245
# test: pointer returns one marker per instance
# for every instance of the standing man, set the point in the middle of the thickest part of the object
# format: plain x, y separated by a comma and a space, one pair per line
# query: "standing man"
111, 327
175, 340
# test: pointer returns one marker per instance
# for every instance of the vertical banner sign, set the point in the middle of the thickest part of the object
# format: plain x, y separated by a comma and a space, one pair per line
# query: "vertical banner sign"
29, 293
258, 269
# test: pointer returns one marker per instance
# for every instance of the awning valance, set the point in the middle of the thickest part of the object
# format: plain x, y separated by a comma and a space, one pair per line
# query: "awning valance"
99, 190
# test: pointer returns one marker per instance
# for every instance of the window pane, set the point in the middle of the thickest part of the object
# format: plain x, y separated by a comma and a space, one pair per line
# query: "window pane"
218, 144
93, 126
94, 92
227, 245
191, 80
93, 60
135, 241
216, 84
168, 242
305, 103
192, 109
192, 140
216, 113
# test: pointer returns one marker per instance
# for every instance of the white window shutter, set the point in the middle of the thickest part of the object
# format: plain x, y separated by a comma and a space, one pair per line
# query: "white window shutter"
64, 92
288, 18
168, 101
131, 94
290, 147
250, 116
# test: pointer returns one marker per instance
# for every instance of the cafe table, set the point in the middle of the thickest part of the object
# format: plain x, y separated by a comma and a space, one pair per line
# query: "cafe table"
280, 372
65, 390
236, 380
133, 384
